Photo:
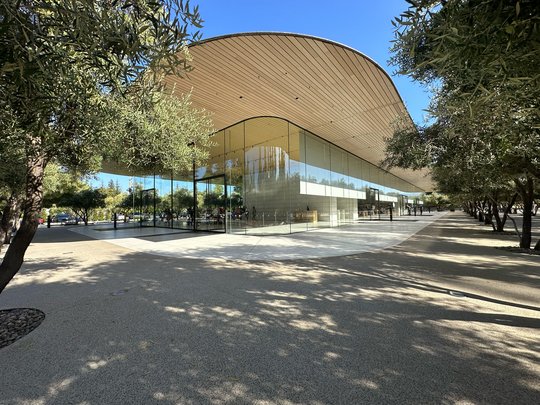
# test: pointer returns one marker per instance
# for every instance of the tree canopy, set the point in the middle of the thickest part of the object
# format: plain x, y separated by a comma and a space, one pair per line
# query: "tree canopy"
481, 58
69, 70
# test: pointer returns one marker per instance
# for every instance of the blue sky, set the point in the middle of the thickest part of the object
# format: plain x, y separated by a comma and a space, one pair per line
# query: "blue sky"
360, 24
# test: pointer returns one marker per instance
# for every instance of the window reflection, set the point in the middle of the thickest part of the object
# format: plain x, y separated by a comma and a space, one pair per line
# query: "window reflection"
279, 178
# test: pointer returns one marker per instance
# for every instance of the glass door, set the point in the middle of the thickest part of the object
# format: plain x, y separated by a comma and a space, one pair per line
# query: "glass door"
147, 214
211, 212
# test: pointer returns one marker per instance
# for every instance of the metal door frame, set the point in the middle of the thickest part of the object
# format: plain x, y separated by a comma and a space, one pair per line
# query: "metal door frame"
196, 208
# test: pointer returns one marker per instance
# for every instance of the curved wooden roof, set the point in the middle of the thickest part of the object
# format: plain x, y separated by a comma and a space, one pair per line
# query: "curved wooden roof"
324, 87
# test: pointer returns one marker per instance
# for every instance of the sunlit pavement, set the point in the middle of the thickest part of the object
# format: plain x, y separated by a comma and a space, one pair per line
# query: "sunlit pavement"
363, 236
440, 316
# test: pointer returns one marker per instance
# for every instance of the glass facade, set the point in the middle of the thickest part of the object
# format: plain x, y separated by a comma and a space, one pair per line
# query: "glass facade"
268, 176
282, 179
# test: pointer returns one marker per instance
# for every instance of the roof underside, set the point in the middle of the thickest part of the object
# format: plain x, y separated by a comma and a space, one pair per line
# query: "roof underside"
324, 87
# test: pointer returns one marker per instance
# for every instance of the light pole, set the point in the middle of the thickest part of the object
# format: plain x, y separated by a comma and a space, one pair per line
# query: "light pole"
194, 218
132, 191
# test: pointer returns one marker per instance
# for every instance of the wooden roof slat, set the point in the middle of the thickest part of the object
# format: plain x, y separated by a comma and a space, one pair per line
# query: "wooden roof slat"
324, 87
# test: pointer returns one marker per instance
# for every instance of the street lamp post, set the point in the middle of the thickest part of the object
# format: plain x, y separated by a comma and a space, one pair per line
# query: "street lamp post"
379, 203
194, 211
132, 191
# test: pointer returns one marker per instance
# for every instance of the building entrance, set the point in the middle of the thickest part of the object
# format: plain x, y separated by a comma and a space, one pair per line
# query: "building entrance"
210, 209
147, 209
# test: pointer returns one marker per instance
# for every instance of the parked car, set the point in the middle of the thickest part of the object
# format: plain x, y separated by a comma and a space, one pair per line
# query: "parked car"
73, 221
119, 217
136, 216
62, 218
65, 219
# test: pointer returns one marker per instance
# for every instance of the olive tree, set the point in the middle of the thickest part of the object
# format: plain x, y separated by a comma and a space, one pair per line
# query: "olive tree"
83, 202
64, 67
481, 57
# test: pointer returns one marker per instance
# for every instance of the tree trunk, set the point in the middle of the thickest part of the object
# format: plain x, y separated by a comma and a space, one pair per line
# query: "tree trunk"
480, 215
488, 216
4, 224
5, 227
526, 189
498, 226
9, 215
14, 257
509, 208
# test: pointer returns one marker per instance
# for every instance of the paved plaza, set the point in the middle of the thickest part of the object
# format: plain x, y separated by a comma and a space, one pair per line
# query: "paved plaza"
422, 310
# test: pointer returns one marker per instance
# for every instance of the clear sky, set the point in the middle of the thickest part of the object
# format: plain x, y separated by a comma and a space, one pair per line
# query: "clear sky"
364, 25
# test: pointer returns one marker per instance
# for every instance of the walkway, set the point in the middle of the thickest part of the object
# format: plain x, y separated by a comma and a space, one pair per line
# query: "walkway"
441, 318
365, 236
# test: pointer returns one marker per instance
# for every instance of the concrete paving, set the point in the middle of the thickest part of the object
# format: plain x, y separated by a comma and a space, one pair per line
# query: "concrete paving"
441, 318
364, 236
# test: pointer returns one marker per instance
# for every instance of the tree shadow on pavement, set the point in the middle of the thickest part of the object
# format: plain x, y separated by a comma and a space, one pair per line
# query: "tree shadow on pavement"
147, 329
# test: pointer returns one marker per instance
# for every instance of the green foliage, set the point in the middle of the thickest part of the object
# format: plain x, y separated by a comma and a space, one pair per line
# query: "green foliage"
161, 133
481, 58
83, 202
58, 181
61, 63
12, 155
64, 67
436, 200
214, 200
116, 41
481, 44
410, 146
183, 198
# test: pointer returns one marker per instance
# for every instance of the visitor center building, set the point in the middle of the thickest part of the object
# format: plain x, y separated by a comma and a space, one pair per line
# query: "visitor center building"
301, 126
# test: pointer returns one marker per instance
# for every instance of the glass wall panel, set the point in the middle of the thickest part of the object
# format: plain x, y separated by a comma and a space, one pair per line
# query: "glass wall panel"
340, 186
266, 166
163, 207
317, 161
358, 187
182, 200
339, 167
210, 214
295, 221
317, 185
234, 137
279, 179
374, 174
268, 176
234, 170
217, 155
143, 200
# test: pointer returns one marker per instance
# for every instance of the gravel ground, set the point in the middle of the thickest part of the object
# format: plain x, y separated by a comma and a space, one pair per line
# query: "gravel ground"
442, 318
16, 323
